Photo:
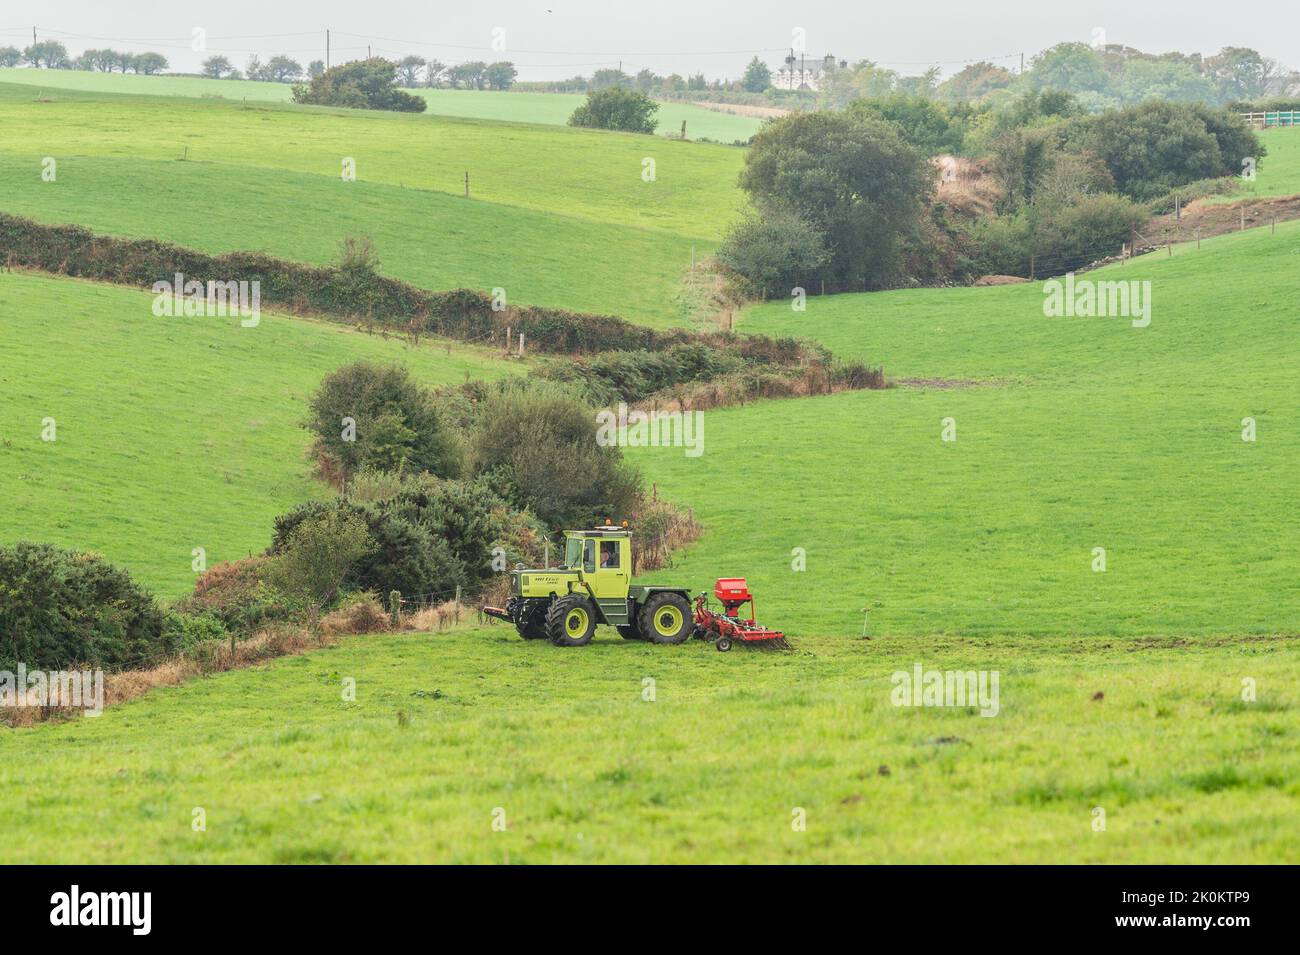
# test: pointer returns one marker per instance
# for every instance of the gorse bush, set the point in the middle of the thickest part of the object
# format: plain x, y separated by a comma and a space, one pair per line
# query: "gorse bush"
61, 609
426, 540
612, 377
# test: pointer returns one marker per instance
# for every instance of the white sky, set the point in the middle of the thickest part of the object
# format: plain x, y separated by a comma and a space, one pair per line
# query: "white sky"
552, 39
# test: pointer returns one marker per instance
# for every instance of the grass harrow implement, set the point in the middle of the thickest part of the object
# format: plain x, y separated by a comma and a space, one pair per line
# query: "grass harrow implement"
727, 627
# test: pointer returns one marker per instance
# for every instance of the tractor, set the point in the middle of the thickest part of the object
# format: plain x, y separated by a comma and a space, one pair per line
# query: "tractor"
594, 585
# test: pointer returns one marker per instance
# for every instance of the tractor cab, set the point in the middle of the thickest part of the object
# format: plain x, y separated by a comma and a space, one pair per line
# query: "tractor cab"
602, 557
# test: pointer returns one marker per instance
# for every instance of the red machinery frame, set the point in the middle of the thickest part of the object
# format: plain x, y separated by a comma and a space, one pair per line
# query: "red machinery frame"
726, 627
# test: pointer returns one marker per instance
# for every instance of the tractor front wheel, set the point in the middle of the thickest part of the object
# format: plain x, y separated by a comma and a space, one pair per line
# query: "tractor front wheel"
531, 631
571, 621
666, 618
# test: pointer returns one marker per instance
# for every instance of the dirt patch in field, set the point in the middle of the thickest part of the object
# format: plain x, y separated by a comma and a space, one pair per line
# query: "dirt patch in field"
1217, 218
999, 280
740, 109
942, 384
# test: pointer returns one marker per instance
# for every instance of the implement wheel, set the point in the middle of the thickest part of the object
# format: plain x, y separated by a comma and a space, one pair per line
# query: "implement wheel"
666, 618
571, 621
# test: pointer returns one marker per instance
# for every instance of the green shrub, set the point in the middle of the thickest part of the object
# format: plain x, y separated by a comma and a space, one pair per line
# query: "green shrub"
619, 108
535, 445
853, 178
632, 376
238, 594
186, 630
1153, 147
318, 555
429, 538
61, 609
774, 251
361, 84
393, 424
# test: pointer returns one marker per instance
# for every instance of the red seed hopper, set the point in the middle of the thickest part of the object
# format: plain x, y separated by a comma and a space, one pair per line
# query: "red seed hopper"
727, 627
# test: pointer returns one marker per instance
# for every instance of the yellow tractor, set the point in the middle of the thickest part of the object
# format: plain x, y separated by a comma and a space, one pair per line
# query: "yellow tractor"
593, 586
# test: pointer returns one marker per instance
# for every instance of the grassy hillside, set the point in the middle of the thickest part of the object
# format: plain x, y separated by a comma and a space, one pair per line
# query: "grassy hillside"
1278, 173
573, 226
552, 109
1072, 434
585, 770
171, 433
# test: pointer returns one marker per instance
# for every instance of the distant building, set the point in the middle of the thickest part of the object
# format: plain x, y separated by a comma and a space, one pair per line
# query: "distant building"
801, 73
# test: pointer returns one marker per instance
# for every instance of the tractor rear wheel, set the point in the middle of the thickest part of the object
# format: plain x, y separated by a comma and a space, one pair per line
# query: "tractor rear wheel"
571, 621
666, 618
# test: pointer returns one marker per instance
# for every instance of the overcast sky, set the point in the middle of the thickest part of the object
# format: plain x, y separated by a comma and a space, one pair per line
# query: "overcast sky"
553, 39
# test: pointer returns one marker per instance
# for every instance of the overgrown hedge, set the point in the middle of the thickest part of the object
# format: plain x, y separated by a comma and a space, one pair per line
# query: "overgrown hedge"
353, 294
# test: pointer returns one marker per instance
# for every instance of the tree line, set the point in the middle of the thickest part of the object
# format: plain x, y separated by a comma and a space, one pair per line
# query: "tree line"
52, 55
412, 71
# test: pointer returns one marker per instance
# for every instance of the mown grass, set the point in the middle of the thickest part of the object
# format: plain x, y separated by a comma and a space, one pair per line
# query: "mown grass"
557, 217
552, 109
1071, 434
171, 433
447, 730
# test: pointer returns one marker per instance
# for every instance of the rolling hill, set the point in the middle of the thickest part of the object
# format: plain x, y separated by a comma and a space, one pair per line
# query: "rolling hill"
1121, 690
572, 226
171, 433
552, 109
1071, 434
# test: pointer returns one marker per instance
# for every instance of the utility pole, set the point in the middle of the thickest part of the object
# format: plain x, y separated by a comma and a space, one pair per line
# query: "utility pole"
327, 49
1022, 64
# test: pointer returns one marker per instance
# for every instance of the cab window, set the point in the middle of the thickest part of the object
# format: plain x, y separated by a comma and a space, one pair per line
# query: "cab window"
589, 556
573, 552
609, 555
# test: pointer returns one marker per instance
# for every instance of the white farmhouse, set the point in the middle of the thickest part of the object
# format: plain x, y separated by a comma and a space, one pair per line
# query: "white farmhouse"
801, 73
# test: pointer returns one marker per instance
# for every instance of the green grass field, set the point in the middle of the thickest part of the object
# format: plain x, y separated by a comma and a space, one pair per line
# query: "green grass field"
573, 225
1071, 434
975, 554
586, 770
552, 109
172, 433
1278, 173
